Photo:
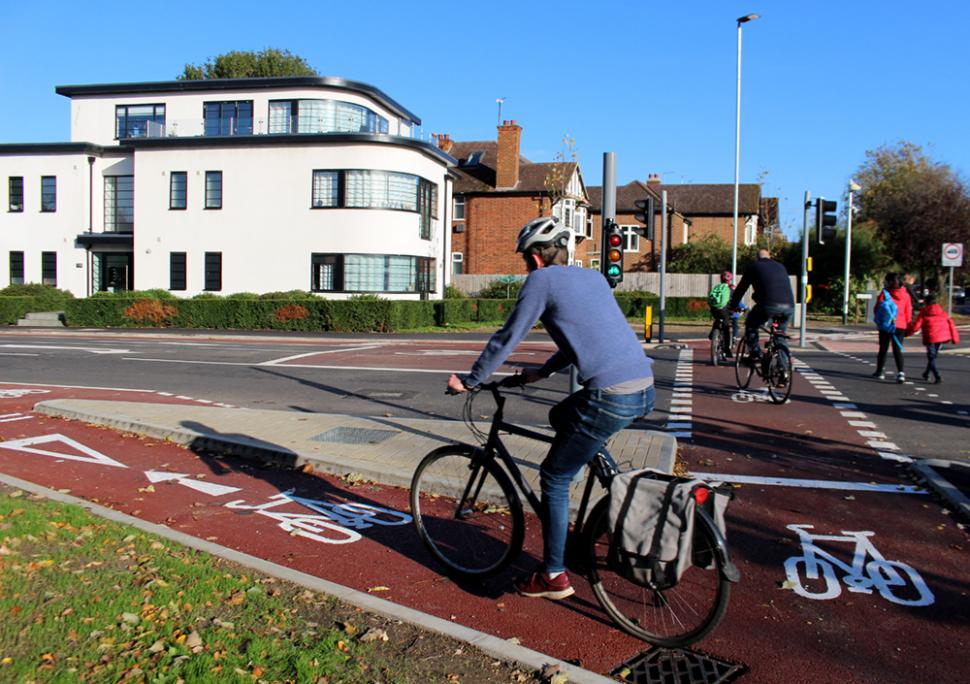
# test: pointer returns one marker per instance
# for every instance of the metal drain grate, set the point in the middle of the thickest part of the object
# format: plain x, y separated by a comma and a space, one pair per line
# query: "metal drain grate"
352, 435
677, 666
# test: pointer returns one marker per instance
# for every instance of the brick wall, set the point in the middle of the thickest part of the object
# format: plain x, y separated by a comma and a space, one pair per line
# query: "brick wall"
493, 224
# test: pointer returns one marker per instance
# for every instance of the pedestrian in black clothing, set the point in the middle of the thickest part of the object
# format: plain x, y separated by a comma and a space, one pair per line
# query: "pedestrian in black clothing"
772, 295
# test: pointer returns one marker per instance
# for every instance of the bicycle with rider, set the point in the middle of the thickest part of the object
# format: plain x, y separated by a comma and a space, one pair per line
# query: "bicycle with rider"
580, 313
718, 299
772, 295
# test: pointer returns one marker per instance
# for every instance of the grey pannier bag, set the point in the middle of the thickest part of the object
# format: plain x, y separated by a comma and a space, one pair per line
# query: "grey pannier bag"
651, 520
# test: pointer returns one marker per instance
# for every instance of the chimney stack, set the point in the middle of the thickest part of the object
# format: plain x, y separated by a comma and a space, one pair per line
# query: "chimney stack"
444, 142
653, 179
507, 164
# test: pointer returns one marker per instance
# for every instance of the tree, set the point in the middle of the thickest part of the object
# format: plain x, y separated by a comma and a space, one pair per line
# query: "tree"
561, 172
247, 64
914, 204
709, 254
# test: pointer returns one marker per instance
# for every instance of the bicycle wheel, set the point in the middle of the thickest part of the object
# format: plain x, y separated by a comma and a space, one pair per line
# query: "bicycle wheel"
466, 511
742, 371
672, 617
779, 379
716, 342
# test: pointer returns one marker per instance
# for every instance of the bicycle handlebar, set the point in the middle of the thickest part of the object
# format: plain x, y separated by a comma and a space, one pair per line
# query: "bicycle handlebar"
508, 382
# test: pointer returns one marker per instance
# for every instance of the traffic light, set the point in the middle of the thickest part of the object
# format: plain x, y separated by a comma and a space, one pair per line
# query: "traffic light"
825, 219
645, 215
612, 253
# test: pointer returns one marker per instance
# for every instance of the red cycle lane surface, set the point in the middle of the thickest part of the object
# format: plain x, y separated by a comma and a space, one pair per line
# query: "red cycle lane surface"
826, 609
358, 535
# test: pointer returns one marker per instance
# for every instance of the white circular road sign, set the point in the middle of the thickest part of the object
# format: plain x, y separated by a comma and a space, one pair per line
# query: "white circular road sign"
953, 254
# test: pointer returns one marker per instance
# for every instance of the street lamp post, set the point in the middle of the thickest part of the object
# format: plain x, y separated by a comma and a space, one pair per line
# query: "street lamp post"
853, 188
737, 146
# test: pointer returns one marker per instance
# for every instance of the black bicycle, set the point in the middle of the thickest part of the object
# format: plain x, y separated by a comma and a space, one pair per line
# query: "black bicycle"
721, 339
466, 506
774, 365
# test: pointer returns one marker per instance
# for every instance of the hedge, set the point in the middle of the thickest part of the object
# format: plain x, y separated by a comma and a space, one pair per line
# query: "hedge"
314, 314
13, 309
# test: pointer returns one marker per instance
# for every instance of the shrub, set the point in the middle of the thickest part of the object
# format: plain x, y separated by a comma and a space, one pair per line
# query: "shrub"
208, 295
243, 295
291, 312
45, 297
452, 292
151, 311
13, 308
506, 287
289, 295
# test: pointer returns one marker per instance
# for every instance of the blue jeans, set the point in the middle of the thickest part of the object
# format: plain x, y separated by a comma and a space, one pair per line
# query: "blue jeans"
583, 422
932, 351
758, 316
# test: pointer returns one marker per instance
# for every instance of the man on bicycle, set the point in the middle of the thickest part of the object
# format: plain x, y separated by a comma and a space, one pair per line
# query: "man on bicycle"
772, 295
577, 308
718, 299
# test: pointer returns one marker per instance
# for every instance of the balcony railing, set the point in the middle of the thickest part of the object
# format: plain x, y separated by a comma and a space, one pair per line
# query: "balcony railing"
294, 125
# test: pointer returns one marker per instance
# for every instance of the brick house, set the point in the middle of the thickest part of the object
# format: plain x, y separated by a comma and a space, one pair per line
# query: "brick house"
699, 210
497, 191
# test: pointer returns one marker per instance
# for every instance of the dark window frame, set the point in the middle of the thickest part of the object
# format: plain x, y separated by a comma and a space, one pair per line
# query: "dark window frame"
425, 273
211, 200
48, 195
173, 192
48, 268
15, 188
157, 116
16, 267
115, 225
235, 124
177, 270
213, 272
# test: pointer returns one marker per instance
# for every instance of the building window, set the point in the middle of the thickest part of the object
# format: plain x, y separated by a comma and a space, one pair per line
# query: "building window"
750, 230
140, 121
325, 191
427, 200
15, 185
228, 118
176, 271
177, 190
459, 207
631, 239
589, 226
323, 116
119, 204
16, 268
48, 193
371, 273
48, 268
213, 189
213, 271
457, 263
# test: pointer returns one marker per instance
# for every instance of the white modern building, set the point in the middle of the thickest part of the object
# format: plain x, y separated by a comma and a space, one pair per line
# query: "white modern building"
234, 185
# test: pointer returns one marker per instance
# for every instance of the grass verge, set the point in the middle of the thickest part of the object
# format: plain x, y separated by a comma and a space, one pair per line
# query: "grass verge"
89, 600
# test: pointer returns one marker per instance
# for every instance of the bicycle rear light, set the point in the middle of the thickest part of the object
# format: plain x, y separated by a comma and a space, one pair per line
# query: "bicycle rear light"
701, 495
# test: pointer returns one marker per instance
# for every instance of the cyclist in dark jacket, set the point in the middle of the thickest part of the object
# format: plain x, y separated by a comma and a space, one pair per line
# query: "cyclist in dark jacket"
772, 297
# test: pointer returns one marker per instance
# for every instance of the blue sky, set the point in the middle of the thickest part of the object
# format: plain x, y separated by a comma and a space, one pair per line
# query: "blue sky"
653, 82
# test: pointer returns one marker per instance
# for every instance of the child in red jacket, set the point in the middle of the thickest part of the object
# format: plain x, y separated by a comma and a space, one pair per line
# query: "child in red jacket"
938, 328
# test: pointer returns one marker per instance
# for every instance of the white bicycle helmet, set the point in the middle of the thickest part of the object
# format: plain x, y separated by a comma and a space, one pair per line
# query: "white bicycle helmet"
543, 231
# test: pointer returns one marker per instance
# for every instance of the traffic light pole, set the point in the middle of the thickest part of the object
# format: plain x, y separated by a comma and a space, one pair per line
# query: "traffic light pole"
848, 259
804, 279
663, 261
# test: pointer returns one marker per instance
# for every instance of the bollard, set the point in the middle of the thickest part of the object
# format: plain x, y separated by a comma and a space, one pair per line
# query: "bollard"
648, 324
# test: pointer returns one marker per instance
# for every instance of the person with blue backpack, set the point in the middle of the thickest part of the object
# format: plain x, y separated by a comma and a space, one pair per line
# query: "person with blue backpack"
892, 315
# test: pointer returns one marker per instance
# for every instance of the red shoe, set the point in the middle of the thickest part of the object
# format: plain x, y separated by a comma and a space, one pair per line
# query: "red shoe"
538, 585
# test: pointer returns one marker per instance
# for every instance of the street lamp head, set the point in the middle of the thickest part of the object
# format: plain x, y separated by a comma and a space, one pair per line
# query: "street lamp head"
748, 17
854, 187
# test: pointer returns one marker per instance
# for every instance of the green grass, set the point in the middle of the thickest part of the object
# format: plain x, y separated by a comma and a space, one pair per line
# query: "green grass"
84, 599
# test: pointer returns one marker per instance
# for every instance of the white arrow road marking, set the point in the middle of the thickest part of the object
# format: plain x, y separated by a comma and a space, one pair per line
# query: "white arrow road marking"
11, 417
93, 350
92, 455
210, 488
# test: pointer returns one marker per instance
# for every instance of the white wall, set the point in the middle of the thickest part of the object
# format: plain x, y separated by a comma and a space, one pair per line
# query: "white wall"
266, 229
93, 117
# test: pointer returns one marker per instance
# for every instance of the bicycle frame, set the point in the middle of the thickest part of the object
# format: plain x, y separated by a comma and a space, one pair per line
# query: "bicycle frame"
602, 467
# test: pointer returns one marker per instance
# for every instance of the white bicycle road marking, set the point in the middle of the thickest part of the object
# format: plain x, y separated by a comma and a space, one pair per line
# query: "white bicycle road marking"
17, 393
895, 581
332, 523
11, 417
94, 457
810, 484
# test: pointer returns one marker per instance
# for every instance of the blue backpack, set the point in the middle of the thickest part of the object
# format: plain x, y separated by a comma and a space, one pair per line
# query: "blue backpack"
885, 313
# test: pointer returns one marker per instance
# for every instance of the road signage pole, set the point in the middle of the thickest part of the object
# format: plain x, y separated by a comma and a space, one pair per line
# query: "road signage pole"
952, 259
663, 260
853, 187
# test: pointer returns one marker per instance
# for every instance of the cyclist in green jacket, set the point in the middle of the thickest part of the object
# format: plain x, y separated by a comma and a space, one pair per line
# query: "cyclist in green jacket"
718, 299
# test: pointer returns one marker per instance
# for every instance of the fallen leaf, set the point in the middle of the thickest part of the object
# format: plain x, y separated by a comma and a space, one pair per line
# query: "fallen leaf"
378, 588
374, 634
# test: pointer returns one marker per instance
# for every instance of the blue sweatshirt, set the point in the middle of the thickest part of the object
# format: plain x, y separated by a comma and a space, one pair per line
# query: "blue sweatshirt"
578, 310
